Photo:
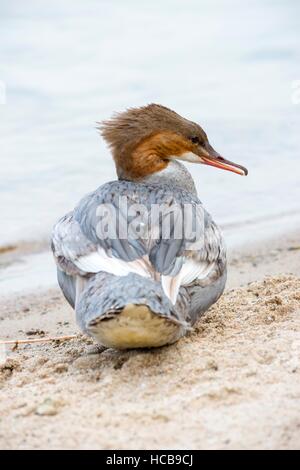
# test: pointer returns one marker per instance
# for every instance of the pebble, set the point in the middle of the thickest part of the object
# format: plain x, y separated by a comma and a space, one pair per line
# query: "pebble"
48, 407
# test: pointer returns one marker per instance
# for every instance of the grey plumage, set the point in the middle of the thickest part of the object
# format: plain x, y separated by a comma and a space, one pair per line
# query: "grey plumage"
85, 215
103, 296
99, 300
67, 284
139, 269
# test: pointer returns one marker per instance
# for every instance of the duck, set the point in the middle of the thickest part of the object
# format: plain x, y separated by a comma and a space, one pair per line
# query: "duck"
140, 259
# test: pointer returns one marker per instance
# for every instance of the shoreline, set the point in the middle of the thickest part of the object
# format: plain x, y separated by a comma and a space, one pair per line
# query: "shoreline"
232, 383
247, 263
25, 264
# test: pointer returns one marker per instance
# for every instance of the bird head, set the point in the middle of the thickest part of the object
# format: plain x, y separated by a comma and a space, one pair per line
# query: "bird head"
144, 140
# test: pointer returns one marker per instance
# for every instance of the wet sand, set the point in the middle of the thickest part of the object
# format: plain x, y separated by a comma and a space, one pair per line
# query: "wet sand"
234, 382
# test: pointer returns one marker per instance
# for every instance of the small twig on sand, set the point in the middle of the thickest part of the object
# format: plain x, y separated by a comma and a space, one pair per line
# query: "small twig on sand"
15, 343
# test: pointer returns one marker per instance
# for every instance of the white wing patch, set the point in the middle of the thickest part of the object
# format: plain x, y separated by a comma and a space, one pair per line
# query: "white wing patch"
193, 269
171, 286
100, 261
190, 271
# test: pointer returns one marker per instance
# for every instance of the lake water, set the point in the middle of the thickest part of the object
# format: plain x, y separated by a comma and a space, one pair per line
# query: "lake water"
229, 65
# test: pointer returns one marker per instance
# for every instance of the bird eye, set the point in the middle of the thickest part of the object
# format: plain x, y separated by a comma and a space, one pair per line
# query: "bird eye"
195, 140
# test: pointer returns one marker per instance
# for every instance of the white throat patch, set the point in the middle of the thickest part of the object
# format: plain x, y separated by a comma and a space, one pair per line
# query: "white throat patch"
189, 157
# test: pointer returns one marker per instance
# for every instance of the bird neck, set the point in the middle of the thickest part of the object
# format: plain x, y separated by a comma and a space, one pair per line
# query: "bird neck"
174, 174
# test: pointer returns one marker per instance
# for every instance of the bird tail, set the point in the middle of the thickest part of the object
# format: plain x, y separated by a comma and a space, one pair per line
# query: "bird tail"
131, 312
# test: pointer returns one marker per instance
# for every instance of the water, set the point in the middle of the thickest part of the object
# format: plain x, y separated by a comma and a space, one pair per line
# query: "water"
228, 65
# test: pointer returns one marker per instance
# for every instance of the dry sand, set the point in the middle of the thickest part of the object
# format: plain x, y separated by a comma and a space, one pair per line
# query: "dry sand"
234, 382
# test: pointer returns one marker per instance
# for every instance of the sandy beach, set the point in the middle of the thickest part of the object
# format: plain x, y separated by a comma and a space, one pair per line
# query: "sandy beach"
233, 383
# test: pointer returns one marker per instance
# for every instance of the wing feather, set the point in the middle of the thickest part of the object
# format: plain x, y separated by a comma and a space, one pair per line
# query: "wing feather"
78, 249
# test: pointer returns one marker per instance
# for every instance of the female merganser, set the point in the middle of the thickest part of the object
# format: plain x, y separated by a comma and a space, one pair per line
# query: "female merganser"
144, 288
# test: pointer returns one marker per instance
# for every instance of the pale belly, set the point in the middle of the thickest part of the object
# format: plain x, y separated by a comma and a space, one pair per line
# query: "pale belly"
136, 327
